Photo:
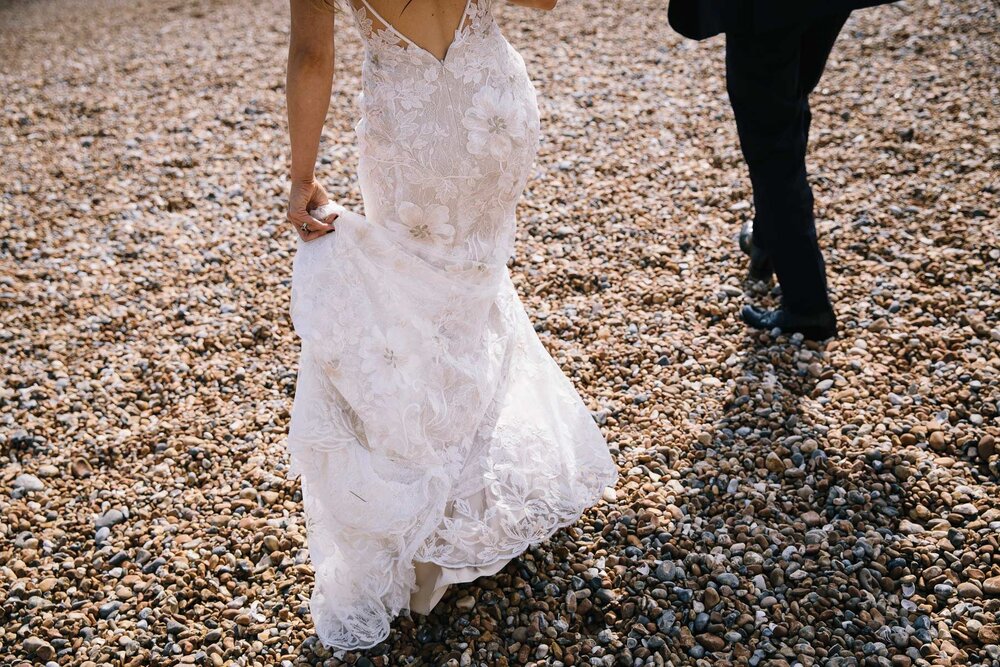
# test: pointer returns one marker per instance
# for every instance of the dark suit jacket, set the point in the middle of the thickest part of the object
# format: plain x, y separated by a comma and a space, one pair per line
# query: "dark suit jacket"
700, 19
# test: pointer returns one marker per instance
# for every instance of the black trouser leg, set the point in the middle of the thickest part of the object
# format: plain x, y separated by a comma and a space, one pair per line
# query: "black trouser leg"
769, 77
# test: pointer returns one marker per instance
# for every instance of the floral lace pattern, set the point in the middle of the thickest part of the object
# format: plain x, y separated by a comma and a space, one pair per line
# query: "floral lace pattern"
429, 423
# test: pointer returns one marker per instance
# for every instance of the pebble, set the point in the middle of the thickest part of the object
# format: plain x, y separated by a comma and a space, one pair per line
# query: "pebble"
109, 609
823, 386
990, 634
39, 648
28, 482
937, 441
110, 518
967, 589
774, 463
812, 519
81, 468
711, 642
701, 622
666, 571
728, 579
986, 447
966, 509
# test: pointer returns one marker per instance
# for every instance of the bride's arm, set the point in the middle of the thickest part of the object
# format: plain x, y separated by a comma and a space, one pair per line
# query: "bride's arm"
308, 82
535, 4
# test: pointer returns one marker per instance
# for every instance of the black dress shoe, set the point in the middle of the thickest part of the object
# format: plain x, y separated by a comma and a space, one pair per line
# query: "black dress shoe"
814, 327
746, 236
760, 264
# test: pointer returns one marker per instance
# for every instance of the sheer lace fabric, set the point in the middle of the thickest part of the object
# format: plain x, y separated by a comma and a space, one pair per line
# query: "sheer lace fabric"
429, 423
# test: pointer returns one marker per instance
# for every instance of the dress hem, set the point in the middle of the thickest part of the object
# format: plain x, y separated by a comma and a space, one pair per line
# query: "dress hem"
559, 525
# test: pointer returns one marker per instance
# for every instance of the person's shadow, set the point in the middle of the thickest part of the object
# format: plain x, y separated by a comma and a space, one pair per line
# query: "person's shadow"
803, 504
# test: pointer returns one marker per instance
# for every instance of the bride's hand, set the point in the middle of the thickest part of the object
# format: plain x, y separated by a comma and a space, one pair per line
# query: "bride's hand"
303, 197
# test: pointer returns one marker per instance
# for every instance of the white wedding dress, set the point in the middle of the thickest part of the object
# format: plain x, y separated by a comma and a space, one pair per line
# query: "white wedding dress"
435, 437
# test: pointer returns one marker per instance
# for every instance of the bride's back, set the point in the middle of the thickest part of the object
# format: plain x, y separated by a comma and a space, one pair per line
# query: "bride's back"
430, 24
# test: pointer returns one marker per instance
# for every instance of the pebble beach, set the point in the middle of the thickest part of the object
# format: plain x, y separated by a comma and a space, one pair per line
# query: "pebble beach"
781, 502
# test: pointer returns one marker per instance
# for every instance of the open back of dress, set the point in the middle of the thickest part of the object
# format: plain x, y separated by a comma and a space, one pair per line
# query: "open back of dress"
389, 29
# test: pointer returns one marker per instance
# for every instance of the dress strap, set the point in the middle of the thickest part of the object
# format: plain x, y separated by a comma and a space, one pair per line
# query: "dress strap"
369, 28
385, 23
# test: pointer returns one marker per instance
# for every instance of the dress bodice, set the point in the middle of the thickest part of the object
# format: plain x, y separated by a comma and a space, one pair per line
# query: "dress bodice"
446, 145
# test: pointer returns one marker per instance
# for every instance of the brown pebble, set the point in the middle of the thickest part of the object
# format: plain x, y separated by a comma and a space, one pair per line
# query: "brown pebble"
937, 441
968, 590
711, 642
990, 634
712, 598
986, 447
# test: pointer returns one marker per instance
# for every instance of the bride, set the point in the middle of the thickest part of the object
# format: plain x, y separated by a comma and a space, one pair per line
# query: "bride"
434, 436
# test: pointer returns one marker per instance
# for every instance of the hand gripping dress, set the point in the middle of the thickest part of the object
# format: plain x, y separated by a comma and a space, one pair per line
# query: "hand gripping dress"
434, 436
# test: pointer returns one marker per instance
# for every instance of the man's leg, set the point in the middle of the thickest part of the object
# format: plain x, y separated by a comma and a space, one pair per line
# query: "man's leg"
816, 43
769, 77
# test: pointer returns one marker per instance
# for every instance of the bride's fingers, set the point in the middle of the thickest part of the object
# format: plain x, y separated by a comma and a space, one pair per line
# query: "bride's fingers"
304, 231
304, 222
326, 226
312, 228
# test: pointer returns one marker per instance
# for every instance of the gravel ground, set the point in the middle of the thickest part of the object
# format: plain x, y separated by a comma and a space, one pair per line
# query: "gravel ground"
781, 502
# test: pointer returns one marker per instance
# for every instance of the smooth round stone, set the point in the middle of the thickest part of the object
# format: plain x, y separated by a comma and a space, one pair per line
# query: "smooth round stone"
48, 470
969, 590
701, 622
110, 518
815, 536
986, 447
666, 571
28, 482
944, 590
108, 609
728, 579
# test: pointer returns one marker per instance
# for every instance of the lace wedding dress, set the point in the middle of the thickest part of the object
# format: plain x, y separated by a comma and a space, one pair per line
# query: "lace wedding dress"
435, 437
